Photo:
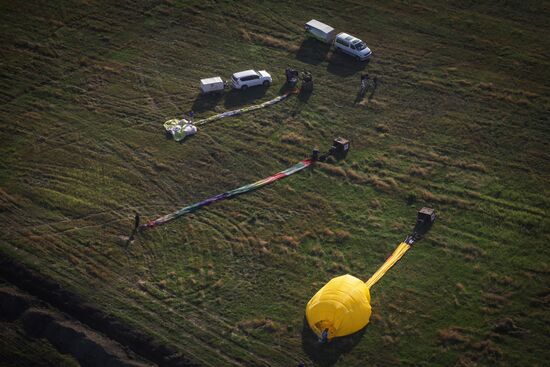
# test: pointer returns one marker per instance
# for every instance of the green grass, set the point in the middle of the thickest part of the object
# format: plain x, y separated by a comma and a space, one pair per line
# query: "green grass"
458, 122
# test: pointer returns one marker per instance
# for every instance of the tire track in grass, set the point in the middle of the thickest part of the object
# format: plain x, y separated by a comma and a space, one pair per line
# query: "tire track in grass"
505, 204
116, 212
211, 335
247, 253
227, 323
459, 193
217, 222
480, 158
155, 306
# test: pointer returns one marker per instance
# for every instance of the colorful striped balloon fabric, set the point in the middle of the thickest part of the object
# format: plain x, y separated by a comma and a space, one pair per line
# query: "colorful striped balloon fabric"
228, 194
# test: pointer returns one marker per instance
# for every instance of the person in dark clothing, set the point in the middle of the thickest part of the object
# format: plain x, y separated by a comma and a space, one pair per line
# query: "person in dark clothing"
324, 336
136, 221
364, 85
307, 81
136, 227
364, 80
315, 155
291, 76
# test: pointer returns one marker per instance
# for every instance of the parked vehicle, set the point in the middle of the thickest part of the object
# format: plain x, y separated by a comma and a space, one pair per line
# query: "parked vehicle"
323, 32
250, 78
352, 46
212, 85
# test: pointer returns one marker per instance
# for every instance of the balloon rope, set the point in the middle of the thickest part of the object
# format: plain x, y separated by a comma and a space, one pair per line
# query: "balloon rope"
244, 109
397, 254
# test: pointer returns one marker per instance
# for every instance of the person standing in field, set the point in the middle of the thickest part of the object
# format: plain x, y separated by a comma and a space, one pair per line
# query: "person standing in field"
136, 227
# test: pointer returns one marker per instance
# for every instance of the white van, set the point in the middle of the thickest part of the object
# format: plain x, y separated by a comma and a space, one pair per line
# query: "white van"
323, 32
352, 46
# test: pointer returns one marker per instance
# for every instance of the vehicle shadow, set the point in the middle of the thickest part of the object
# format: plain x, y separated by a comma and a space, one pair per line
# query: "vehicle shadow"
238, 98
312, 51
326, 355
344, 65
206, 102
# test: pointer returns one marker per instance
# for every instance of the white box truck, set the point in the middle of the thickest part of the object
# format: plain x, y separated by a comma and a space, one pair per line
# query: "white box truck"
323, 32
212, 85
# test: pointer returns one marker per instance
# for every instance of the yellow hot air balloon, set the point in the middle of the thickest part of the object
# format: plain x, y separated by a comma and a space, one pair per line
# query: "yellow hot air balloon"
342, 307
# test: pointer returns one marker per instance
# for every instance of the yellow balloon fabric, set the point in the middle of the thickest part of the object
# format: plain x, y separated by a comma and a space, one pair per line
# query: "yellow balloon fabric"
342, 306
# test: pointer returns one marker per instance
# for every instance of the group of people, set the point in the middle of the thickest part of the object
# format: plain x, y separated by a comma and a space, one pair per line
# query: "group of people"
292, 77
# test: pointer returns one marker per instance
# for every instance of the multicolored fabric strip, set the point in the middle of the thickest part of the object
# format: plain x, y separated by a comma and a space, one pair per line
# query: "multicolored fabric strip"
228, 194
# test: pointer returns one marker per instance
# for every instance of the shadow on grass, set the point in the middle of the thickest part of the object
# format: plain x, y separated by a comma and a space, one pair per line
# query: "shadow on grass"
360, 96
341, 64
301, 100
312, 51
287, 87
304, 94
327, 354
206, 102
239, 98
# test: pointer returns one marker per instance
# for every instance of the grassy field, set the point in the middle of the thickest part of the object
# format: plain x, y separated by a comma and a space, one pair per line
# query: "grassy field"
459, 122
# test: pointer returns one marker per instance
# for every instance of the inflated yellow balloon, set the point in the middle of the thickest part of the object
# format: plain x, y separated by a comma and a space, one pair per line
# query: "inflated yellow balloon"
342, 306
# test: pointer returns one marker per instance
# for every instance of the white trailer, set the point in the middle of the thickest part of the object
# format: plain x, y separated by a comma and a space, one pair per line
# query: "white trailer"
323, 32
212, 85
